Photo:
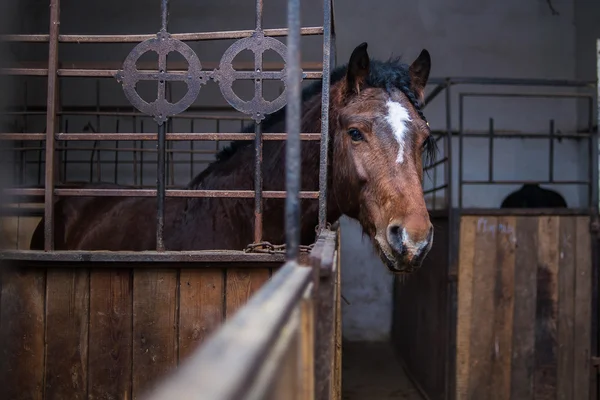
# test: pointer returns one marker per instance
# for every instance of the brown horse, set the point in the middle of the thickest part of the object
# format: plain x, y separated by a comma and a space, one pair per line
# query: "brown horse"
378, 137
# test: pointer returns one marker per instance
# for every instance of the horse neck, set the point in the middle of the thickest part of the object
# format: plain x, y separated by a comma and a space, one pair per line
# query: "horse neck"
237, 173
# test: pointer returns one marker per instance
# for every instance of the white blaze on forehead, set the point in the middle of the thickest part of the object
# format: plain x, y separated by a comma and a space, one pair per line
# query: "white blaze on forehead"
398, 119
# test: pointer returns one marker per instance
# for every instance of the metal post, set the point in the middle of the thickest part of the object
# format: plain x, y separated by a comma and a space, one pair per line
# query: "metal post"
161, 142
258, 142
323, 160
293, 173
51, 125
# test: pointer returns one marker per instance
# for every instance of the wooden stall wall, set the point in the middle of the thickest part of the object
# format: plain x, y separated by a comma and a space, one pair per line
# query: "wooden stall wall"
420, 320
110, 333
524, 308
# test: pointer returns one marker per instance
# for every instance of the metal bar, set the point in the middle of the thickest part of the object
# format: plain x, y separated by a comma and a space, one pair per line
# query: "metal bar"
435, 164
448, 150
293, 164
258, 181
242, 194
110, 73
551, 156
161, 142
460, 148
121, 258
324, 148
513, 81
524, 181
51, 125
521, 94
259, 15
195, 36
196, 136
498, 135
491, 151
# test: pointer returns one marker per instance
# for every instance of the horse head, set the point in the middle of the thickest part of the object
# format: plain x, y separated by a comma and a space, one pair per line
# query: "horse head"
380, 137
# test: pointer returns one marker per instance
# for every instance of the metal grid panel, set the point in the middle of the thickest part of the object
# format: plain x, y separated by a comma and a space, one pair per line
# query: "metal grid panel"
58, 137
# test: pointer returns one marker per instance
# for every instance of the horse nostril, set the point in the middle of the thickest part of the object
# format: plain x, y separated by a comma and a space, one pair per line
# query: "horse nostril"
395, 233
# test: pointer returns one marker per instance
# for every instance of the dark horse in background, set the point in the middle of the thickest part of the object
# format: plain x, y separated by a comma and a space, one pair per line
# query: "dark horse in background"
378, 137
532, 195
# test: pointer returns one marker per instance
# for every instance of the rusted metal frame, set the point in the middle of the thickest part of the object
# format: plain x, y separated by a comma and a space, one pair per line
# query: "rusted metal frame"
242, 194
324, 147
153, 136
185, 37
51, 124
240, 361
112, 258
293, 111
110, 73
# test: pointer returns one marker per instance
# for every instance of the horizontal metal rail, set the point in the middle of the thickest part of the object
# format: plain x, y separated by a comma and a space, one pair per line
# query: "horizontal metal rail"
110, 73
200, 136
185, 37
240, 194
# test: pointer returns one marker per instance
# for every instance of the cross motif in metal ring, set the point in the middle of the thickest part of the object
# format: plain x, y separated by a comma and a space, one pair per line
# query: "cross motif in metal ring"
258, 107
161, 109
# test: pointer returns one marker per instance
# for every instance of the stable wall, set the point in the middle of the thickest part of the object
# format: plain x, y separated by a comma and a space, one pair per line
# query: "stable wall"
466, 38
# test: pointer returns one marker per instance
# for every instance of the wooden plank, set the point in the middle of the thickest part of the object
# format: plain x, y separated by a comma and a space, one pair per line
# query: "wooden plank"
545, 374
468, 231
22, 326
201, 309
566, 311
67, 316
523, 348
154, 327
240, 285
583, 310
482, 345
504, 287
110, 334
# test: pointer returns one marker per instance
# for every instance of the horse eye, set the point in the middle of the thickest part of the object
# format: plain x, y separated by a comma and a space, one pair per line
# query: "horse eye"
355, 135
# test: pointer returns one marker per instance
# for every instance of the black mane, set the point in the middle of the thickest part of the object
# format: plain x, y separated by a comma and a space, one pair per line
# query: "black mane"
382, 74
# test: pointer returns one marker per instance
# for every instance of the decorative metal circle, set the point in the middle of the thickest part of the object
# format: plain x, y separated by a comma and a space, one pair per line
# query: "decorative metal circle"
163, 44
258, 107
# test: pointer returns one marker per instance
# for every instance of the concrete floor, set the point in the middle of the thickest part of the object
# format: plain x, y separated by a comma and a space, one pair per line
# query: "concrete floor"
370, 371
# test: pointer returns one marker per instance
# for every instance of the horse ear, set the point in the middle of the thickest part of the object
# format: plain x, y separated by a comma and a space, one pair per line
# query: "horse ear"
358, 68
419, 74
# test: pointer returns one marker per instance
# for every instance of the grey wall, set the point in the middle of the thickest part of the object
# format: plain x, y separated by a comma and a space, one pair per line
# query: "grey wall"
482, 38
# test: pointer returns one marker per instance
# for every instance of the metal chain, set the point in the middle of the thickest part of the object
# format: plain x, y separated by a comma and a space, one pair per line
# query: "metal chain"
266, 247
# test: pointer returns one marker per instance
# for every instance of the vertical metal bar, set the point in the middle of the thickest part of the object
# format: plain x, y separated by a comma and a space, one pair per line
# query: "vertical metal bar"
593, 156
324, 148
448, 150
491, 152
293, 173
160, 187
142, 148
65, 158
551, 156
258, 183
51, 125
117, 152
164, 14
259, 14
258, 142
192, 151
134, 155
460, 149
161, 141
